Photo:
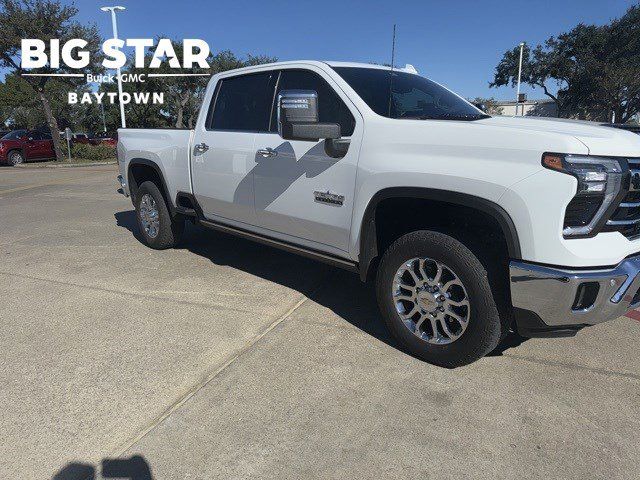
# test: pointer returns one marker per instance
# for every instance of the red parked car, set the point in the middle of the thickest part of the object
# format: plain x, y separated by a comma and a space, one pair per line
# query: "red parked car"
21, 146
105, 138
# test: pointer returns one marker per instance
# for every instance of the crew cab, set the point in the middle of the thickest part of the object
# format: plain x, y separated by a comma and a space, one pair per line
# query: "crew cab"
470, 226
19, 146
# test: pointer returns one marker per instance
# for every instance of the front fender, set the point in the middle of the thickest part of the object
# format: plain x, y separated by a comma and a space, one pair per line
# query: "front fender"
367, 242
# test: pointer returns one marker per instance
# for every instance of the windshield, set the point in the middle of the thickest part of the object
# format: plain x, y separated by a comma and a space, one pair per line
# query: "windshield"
15, 135
412, 96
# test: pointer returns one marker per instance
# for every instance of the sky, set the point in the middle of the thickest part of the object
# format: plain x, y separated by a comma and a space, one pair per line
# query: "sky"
456, 42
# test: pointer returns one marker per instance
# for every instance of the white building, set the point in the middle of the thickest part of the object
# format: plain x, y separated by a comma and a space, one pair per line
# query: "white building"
534, 108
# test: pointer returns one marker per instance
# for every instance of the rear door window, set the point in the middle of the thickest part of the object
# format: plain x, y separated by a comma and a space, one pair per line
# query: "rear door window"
243, 103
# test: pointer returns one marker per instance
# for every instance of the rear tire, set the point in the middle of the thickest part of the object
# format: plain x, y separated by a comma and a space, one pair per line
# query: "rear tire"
158, 228
15, 158
433, 333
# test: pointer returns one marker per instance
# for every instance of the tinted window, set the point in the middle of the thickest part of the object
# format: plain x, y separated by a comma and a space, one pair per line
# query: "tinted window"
16, 134
244, 103
331, 108
35, 135
45, 136
405, 95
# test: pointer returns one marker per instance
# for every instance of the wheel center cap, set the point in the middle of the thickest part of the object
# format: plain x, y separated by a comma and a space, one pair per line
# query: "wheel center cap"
427, 301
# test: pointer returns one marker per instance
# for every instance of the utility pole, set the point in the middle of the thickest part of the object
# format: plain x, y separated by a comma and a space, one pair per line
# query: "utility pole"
115, 35
519, 78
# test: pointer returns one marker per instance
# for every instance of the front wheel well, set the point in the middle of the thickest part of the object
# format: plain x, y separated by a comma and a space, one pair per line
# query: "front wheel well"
473, 222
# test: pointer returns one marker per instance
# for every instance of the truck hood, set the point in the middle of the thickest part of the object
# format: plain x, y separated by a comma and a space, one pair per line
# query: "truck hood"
600, 140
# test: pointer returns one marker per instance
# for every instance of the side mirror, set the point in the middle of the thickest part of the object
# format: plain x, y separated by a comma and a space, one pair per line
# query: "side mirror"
298, 117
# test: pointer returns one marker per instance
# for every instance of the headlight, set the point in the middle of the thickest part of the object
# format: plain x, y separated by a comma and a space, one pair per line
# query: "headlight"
599, 192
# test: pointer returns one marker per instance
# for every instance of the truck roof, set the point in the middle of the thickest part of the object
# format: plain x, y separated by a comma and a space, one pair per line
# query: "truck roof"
408, 68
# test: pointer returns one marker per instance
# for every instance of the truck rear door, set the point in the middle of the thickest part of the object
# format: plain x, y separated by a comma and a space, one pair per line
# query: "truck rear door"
224, 155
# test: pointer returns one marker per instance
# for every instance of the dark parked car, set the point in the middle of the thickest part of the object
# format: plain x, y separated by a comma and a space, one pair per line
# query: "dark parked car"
105, 138
20, 146
80, 138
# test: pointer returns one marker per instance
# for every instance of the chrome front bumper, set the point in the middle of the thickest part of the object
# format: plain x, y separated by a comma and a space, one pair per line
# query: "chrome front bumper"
565, 297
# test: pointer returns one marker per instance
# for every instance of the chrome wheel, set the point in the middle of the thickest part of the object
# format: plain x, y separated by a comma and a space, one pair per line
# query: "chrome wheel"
149, 215
431, 300
16, 158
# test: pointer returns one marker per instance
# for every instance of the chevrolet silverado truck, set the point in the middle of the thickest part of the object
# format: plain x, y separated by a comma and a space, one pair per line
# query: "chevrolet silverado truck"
470, 226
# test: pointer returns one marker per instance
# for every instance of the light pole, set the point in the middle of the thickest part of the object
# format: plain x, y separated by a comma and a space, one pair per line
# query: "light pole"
113, 11
519, 77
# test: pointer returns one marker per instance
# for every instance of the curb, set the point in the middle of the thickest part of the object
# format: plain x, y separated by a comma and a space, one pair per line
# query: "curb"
68, 165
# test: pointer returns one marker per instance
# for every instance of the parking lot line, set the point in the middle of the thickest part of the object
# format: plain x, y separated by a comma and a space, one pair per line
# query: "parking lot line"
37, 185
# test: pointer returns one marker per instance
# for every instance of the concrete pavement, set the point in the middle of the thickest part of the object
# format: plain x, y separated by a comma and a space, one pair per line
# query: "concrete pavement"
227, 359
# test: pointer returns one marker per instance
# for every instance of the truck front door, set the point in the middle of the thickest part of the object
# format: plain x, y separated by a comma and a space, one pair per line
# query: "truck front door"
301, 191
224, 155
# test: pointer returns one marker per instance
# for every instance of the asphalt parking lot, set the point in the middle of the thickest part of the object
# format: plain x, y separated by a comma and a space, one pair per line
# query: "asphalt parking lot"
227, 359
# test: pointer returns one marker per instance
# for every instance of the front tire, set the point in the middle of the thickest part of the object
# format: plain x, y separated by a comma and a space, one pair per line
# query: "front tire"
159, 229
435, 298
15, 158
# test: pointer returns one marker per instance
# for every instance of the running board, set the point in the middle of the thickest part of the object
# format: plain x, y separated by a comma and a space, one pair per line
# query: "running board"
272, 242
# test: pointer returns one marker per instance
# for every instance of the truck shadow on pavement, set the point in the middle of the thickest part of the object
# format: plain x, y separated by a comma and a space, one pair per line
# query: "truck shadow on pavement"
132, 468
340, 291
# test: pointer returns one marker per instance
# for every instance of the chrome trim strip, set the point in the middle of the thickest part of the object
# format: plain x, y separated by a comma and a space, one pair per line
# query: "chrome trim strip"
623, 222
630, 205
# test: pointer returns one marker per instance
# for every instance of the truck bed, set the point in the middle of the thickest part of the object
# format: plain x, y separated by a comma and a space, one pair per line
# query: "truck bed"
170, 149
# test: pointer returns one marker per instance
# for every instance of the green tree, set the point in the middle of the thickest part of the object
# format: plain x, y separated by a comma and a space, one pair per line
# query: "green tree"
490, 105
183, 95
186, 93
44, 19
594, 69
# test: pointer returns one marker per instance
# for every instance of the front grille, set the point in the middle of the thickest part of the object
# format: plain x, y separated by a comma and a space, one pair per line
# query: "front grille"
626, 218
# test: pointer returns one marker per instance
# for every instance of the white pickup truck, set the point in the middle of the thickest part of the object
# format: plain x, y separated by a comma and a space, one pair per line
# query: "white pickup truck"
470, 225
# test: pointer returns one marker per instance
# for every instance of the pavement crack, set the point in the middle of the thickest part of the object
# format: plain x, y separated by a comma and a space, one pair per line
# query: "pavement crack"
573, 366
146, 296
212, 375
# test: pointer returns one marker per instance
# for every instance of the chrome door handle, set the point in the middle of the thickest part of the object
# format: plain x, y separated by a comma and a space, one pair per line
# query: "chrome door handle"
200, 147
267, 152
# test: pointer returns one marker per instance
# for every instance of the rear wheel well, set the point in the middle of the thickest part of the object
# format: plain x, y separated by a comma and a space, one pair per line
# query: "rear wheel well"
145, 172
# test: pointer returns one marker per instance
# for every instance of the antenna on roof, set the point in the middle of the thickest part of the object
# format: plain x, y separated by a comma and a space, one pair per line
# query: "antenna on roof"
393, 58
393, 47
